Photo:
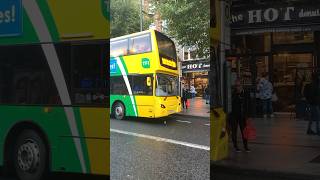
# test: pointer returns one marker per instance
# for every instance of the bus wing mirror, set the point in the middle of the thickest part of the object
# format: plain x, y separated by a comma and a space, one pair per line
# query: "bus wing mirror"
149, 81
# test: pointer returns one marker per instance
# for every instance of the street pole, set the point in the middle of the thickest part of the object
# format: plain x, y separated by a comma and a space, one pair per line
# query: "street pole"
225, 45
141, 16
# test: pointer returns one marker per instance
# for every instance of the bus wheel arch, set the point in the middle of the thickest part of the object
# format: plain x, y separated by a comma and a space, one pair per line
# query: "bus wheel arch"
11, 142
118, 106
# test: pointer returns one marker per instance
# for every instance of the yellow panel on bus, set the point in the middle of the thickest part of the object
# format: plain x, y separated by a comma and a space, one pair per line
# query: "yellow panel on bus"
85, 22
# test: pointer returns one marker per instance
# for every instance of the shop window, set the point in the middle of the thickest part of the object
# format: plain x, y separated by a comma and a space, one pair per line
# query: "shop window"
292, 37
258, 42
287, 64
193, 55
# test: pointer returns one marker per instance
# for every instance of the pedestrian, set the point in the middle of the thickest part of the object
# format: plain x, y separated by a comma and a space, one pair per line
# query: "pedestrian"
207, 95
312, 95
184, 98
265, 90
193, 91
239, 115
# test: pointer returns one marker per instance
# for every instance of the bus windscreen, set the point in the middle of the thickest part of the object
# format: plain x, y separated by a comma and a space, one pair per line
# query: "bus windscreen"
166, 46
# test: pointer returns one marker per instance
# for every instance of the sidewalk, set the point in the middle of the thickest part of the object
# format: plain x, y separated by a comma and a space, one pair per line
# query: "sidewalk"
198, 107
282, 146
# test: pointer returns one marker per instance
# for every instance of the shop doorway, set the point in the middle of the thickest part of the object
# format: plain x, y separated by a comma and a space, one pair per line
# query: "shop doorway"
287, 78
197, 79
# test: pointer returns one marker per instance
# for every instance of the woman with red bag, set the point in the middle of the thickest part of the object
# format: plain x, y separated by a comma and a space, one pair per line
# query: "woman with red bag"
239, 115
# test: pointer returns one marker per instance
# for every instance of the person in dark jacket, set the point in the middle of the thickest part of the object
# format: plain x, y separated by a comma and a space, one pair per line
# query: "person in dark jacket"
239, 114
312, 95
184, 98
207, 95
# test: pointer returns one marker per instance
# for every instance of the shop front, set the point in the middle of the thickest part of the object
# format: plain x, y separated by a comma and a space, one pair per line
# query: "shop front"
282, 41
195, 73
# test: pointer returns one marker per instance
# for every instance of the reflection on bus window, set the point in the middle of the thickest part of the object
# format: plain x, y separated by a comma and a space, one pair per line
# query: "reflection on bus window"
89, 76
25, 77
119, 48
166, 46
139, 83
140, 44
167, 85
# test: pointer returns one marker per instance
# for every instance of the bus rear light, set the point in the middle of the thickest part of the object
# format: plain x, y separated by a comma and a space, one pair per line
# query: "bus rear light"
163, 106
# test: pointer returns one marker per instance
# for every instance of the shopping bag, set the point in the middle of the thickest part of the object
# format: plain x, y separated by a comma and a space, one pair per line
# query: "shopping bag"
188, 103
249, 131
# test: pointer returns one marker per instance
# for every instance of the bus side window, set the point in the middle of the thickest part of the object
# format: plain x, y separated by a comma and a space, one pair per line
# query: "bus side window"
119, 48
140, 44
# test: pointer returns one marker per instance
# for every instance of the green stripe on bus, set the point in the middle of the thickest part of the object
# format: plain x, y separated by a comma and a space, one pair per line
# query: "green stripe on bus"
134, 98
46, 13
77, 114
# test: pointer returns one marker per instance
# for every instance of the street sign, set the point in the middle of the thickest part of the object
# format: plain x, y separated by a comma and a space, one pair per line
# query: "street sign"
10, 18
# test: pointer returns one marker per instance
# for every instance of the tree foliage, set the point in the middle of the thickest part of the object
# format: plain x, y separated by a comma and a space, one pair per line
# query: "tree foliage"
125, 17
188, 22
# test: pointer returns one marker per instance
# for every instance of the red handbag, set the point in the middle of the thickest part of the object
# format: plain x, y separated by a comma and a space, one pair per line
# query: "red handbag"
188, 103
249, 132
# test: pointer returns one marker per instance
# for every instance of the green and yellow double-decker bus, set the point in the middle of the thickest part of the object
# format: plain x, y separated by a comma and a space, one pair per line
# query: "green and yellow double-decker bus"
144, 76
54, 104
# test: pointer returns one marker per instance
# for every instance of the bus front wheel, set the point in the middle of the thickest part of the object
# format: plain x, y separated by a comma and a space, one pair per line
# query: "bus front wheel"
119, 111
30, 156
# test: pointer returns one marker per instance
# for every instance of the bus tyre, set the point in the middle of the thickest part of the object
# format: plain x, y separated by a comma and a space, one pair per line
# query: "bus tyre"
119, 111
30, 156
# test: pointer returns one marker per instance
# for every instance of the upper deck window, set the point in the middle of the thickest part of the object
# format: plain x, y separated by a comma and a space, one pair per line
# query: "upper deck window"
119, 48
166, 46
140, 44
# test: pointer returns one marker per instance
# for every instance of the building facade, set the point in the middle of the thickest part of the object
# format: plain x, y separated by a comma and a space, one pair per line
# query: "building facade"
280, 38
194, 70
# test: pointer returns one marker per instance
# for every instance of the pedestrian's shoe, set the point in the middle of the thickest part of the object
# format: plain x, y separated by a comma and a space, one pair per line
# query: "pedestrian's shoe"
272, 115
264, 116
238, 150
247, 150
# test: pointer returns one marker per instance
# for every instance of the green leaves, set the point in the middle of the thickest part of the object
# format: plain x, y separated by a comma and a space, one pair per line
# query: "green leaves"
188, 22
125, 17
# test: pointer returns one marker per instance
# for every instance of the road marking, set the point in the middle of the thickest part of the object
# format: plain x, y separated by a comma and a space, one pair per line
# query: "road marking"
183, 121
197, 146
207, 124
